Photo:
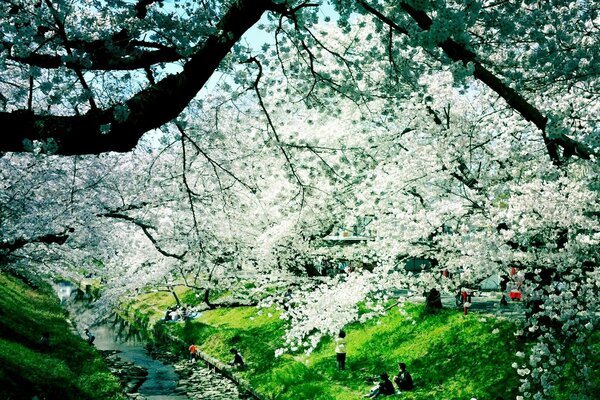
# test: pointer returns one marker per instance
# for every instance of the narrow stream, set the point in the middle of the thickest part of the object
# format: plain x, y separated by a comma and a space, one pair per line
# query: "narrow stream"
112, 334
161, 381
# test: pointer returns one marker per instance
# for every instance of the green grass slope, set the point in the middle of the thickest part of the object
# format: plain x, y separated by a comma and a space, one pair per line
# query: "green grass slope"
68, 369
450, 356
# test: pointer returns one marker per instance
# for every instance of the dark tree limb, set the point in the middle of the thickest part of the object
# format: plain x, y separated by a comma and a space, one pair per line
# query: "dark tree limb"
100, 131
56, 238
458, 52
99, 57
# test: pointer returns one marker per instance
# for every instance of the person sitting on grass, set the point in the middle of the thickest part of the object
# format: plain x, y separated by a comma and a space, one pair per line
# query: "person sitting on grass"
403, 380
385, 387
238, 361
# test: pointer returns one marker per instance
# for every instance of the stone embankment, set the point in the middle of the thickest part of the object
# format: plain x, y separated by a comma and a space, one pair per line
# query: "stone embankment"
197, 381
201, 383
130, 376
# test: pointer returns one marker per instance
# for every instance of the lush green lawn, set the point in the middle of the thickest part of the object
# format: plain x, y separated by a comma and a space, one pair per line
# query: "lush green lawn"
450, 356
68, 369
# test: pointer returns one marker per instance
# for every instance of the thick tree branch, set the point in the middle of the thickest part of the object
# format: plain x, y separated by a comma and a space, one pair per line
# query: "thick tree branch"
119, 128
458, 52
57, 238
99, 56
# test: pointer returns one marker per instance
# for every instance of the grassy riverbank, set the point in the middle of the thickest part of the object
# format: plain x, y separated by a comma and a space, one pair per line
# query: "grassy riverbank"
66, 369
450, 356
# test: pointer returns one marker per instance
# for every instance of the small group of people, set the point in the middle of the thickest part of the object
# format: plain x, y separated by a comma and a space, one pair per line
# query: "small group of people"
463, 299
385, 387
180, 313
403, 380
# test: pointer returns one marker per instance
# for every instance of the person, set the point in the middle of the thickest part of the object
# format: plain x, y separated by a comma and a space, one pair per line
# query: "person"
504, 279
385, 387
287, 299
193, 352
433, 300
237, 361
403, 380
503, 301
340, 350
44, 341
466, 301
174, 314
459, 298
90, 336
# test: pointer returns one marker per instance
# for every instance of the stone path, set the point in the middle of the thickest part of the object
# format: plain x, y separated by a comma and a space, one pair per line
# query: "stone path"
485, 302
201, 383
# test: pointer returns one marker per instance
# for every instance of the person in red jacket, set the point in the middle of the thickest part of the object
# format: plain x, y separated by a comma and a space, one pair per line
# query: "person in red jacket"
466, 300
193, 352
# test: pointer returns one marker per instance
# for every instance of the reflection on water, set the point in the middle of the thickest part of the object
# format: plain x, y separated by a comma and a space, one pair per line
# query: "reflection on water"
116, 334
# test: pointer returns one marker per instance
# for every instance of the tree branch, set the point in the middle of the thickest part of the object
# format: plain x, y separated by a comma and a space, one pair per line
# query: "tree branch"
458, 52
99, 57
57, 238
146, 229
120, 127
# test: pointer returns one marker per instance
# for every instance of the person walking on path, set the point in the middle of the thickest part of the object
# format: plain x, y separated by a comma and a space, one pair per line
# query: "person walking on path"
193, 352
340, 350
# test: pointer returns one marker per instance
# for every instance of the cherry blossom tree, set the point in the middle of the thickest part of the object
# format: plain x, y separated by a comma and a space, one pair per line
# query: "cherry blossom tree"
468, 129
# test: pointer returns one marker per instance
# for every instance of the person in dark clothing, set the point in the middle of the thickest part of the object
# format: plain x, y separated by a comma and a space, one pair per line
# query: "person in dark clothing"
504, 279
385, 387
44, 341
433, 300
403, 380
90, 336
237, 361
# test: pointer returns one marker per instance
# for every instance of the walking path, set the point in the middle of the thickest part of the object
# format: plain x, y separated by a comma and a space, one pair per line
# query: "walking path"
484, 302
